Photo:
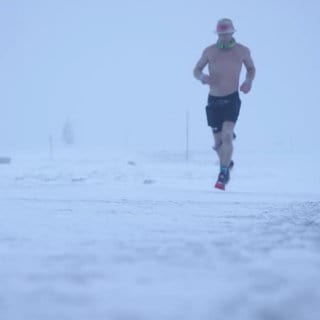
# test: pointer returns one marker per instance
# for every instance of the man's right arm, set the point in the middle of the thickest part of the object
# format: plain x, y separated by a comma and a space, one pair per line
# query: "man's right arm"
197, 71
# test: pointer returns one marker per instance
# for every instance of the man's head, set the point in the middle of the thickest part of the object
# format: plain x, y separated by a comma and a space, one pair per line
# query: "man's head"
225, 29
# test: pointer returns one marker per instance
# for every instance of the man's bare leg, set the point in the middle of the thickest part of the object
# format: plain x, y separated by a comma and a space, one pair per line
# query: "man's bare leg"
226, 149
217, 146
217, 143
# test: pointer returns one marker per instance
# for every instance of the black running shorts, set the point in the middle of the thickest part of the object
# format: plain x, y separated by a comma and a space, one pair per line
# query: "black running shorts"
221, 109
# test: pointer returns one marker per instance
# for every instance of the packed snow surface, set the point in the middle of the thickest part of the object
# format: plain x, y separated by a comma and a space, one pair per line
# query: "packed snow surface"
124, 236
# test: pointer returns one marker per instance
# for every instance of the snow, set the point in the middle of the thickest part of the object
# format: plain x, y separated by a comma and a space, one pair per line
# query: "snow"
134, 236
131, 235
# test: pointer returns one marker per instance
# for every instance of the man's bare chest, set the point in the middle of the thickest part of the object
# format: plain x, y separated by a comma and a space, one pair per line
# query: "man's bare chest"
225, 58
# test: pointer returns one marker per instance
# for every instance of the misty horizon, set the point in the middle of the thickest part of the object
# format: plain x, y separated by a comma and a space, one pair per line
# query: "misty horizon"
121, 72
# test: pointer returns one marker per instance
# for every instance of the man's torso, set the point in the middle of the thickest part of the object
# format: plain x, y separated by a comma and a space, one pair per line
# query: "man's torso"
225, 67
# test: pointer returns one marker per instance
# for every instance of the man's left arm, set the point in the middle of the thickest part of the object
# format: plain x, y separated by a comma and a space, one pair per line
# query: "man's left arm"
251, 71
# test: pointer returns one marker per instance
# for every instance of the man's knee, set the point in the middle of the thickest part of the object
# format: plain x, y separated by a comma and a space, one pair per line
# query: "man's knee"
217, 140
227, 137
227, 132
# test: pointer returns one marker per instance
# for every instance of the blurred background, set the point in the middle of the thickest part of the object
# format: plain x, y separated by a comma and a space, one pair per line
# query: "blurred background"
118, 73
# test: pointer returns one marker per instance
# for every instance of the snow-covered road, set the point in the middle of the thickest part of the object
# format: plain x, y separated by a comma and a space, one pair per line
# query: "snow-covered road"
148, 238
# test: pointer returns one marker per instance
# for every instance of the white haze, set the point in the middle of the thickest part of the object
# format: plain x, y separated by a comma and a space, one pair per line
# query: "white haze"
121, 71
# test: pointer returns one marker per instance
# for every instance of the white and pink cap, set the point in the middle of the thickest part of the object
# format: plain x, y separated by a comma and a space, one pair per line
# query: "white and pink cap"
225, 26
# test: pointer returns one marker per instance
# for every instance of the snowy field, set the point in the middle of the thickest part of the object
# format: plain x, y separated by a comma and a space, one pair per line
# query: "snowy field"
146, 237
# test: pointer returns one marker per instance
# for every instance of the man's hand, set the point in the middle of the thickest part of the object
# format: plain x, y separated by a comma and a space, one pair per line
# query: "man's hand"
246, 87
205, 79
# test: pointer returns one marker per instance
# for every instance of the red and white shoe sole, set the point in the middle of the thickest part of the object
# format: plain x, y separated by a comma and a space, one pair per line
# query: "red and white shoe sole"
220, 186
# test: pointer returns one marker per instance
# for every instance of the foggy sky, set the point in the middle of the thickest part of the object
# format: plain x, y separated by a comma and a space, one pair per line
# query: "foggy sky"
121, 71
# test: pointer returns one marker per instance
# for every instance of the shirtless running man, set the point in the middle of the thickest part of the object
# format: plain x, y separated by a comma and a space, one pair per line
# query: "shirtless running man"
224, 59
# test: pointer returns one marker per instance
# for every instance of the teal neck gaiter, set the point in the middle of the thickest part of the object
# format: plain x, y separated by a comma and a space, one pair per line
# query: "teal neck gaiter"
225, 46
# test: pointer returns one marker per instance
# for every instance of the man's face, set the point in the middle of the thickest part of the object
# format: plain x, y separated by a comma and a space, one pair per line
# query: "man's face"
225, 37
